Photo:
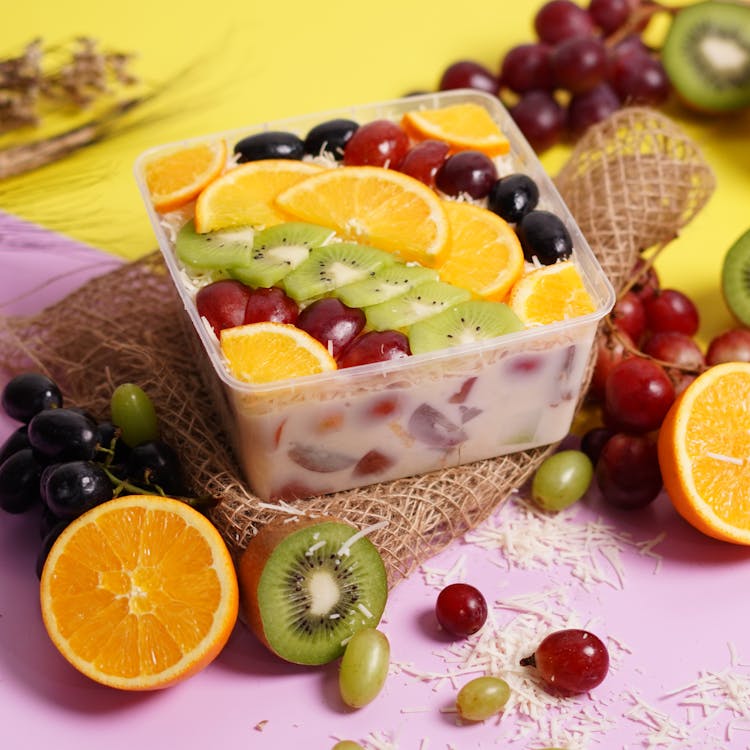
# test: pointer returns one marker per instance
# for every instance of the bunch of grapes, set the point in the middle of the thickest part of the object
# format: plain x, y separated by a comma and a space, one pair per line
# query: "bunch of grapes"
646, 357
64, 461
585, 64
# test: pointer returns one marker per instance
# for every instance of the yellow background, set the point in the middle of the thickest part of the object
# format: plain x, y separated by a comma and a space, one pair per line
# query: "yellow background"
230, 63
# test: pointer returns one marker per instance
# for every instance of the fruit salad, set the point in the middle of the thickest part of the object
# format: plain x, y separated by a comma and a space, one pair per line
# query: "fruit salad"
377, 293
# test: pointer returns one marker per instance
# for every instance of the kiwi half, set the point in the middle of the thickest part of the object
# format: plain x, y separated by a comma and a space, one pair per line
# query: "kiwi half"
278, 250
306, 587
706, 54
735, 279
466, 322
214, 251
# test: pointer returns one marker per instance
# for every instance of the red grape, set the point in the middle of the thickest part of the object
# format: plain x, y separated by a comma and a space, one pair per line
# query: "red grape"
628, 472
560, 19
572, 661
469, 171
676, 348
526, 67
579, 63
223, 303
375, 346
637, 395
611, 349
640, 79
594, 441
423, 160
467, 74
671, 310
646, 280
590, 107
270, 303
730, 346
332, 323
629, 316
540, 118
609, 15
379, 143
461, 609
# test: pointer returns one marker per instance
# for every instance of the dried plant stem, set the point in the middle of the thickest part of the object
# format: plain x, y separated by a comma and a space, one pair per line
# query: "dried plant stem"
17, 160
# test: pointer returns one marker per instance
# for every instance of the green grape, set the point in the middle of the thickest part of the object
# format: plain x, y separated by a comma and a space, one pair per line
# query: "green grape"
481, 698
347, 745
133, 412
562, 479
364, 667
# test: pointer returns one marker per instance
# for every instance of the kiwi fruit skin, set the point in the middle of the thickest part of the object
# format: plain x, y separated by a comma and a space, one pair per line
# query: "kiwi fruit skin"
735, 279
259, 616
698, 85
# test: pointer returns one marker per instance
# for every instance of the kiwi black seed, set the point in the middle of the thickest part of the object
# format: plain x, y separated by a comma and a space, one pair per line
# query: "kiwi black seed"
419, 302
735, 279
278, 250
332, 266
466, 322
214, 251
308, 586
706, 54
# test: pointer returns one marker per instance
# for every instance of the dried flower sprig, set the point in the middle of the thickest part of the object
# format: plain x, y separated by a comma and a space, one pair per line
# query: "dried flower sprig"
87, 74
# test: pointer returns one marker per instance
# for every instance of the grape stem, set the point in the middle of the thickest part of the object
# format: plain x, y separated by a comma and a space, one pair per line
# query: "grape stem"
640, 16
123, 484
528, 661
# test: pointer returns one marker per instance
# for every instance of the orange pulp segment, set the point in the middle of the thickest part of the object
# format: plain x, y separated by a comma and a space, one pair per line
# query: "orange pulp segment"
139, 592
550, 294
266, 352
704, 452
375, 206
245, 195
462, 126
484, 254
176, 176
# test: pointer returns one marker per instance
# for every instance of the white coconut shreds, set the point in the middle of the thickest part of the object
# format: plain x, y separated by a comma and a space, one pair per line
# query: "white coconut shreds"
533, 539
440, 578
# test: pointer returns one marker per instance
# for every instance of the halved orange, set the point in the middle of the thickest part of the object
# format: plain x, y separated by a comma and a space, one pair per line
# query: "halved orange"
139, 592
177, 175
461, 126
704, 452
245, 195
266, 352
375, 206
550, 294
484, 255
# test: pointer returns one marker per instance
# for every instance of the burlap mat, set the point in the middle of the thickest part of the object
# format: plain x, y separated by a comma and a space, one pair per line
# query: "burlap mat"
631, 182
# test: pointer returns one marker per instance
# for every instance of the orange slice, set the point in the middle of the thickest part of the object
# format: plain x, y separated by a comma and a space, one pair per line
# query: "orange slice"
485, 255
550, 294
139, 592
375, 206
245, 195
265, 352
704, 452
176, 176
462, 126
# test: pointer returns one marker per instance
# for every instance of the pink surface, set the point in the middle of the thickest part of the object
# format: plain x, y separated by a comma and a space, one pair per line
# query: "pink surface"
670, 614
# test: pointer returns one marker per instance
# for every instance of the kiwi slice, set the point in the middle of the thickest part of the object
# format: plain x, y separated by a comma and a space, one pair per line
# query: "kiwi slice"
332, 266
466, 322
308, 586
706, 54
384, 284
735, 279
278, 250
420, 302
214, 251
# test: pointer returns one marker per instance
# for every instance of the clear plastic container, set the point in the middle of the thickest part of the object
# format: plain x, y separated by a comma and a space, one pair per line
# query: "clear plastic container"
378, 422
